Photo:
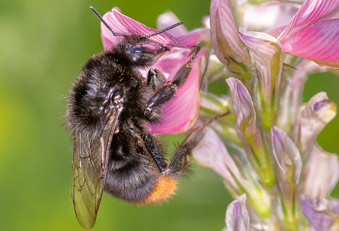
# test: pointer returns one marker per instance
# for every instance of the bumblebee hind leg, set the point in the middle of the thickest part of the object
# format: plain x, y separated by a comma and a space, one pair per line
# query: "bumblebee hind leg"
180, 160
166, 182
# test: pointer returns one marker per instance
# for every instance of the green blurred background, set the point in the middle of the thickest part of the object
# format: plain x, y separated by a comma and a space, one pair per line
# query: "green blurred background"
43, 45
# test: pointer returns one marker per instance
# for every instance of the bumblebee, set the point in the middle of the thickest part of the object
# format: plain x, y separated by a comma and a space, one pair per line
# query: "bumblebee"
109, 108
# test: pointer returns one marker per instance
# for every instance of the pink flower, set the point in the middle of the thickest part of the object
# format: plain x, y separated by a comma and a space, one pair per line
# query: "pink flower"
312, 33
322, 214
237, 216
265, 16
310, 36
225, 37
180, 113
286, 154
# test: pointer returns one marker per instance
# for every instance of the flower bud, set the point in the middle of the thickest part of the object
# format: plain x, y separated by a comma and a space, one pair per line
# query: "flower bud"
225, 37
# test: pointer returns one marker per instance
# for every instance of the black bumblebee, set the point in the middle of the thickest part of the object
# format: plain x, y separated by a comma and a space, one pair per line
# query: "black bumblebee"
109, 106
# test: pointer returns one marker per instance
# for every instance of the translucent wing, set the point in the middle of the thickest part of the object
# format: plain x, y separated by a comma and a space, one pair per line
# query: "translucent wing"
90, 157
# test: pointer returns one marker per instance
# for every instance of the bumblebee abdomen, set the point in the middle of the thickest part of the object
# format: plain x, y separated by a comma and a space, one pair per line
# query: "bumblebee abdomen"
164, 187
140, 189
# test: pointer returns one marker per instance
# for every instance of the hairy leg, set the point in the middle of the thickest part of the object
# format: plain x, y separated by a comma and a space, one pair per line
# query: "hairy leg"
180, 159
155, 79
166, 92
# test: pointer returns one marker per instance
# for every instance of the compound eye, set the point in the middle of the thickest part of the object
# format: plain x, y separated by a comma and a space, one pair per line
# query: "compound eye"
141, 49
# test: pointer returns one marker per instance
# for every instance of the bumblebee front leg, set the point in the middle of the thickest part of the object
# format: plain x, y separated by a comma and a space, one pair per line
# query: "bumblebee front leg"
165, 93
155, 79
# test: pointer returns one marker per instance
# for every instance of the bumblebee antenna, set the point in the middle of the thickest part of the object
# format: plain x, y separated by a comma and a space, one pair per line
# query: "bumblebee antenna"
163, 30
102, 20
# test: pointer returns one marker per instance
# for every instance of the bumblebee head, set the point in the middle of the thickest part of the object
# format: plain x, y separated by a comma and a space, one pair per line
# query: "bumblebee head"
139, 50
143, 53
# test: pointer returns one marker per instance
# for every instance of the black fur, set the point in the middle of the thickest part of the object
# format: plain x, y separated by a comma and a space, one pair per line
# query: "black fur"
136, 158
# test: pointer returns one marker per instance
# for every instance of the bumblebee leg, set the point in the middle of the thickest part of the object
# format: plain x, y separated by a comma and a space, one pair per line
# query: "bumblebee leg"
167, 92
155, 79
181, 76
154, 149
180, 159
162, 96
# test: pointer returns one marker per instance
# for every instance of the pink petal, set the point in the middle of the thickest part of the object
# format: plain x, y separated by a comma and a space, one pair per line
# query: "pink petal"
248, 131
290, 99
211, 152
242, 105
120, 23
310, 11
313, 117
224, 33
321, 173
206, 21
319, 42
189, 39
286, 154
107, 38
319, 219
267, 15
167, 19
237, 216
180, 113
193, 37
265, 51
276, 31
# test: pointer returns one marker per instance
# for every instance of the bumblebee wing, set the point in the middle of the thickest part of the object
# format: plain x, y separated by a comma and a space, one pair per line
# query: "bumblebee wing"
90, 157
